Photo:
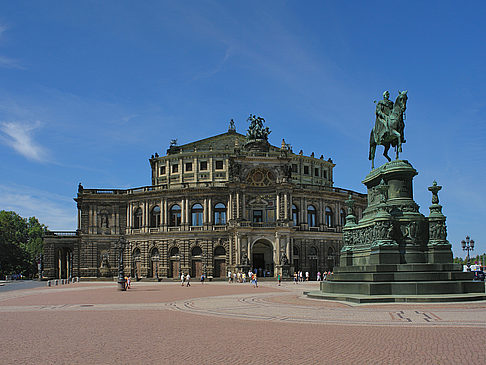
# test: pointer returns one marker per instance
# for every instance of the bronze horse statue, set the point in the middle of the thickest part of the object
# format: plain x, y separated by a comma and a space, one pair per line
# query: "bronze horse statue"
390, 134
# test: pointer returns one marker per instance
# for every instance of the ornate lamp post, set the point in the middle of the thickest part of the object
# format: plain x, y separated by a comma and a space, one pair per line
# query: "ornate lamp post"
468, 245
205, 263
121, 275
181, 259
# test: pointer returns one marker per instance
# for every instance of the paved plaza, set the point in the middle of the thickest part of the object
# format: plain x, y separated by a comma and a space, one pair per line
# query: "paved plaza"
164, 323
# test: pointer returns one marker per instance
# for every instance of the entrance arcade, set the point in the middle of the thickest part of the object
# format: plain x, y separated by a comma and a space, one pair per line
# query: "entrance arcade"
262, 258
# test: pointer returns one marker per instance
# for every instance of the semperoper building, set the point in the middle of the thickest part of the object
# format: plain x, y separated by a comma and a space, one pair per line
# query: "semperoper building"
225, 203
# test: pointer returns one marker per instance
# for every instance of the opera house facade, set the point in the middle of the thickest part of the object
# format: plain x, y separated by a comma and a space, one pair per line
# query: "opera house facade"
225, 203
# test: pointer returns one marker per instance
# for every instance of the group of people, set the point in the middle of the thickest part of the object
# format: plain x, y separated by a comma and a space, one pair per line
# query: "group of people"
128, 281
185, 279
242, 277
300, 276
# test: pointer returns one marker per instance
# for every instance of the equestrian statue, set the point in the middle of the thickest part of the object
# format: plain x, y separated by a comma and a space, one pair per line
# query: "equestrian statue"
389, 125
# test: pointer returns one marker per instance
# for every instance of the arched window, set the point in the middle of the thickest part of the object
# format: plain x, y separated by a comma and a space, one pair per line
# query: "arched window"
312, 251
219, 251
154, 254
174, 251
196, 251
137, 222
136, 254
295, 215
197, 215
155, 217
311, 216
175, 216
220, 213
295, 251
342, 215
329, 220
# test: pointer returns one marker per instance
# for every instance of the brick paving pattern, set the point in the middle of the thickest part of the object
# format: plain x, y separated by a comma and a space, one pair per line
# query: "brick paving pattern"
220, 323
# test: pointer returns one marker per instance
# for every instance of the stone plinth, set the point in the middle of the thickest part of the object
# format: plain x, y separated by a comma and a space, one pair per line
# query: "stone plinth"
394, 253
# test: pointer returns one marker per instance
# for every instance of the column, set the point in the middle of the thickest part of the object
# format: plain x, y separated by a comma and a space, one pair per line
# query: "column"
243, 206
90, 219
210, 211
95, 220
276, 253
205, 211
230, 201
286, 207
188, 221
129, 220
117, 220
183, 211
237, 205
166, 212
112, 225
278, 206
238, 248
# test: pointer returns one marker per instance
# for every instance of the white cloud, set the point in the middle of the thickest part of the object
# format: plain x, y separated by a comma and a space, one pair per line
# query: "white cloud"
10, 63
55, 211
7, 62
19, 137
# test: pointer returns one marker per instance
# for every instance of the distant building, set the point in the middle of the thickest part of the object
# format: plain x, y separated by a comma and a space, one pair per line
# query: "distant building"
228, 202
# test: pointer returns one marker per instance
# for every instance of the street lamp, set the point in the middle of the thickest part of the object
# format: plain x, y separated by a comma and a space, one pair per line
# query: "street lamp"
468, 245
205, 260
71, 256
181, 259
121, 275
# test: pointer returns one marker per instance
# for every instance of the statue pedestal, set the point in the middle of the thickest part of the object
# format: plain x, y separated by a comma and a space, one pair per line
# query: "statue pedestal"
394, 253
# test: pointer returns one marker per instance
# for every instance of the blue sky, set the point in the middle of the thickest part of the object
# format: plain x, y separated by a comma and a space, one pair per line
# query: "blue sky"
89, 90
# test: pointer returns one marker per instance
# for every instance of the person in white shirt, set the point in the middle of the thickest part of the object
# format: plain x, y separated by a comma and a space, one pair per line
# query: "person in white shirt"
188, 279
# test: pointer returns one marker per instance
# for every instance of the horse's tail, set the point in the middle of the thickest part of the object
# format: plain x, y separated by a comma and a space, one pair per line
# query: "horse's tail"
372, 143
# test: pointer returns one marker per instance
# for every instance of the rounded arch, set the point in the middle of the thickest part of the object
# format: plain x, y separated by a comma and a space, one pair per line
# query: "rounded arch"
295, 251
137, 218
174, 251
329, 217
262, 257
197, 215
342, 215
219, 213
312, 251
295, 214
219, 251
311, 216
155, 216
136, 253
175, 215
196, 251
154, 253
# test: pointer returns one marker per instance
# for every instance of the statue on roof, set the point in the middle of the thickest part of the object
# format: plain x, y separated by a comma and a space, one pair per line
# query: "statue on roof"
256, 131
231, 127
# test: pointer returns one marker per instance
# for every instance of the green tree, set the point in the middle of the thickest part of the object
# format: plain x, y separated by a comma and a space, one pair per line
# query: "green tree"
21, 243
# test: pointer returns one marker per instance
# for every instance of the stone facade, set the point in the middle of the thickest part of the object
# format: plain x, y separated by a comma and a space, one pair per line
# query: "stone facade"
228, 202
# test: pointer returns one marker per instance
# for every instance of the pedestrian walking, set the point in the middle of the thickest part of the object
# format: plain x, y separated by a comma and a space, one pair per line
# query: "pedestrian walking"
279, 279
306, 276
230, 277
295, 277
318, 276
202, 278
188, 280
182, 279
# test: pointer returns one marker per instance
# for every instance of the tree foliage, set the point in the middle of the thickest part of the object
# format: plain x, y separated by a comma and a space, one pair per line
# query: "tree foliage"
21, 243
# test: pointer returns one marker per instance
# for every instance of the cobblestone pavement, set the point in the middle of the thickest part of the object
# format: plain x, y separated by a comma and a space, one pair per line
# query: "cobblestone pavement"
162, 323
